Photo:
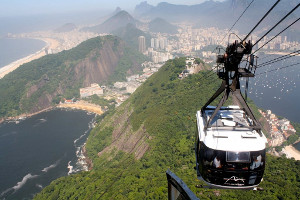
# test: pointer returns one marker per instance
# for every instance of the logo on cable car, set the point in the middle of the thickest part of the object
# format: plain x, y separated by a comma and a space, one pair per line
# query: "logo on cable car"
234, 181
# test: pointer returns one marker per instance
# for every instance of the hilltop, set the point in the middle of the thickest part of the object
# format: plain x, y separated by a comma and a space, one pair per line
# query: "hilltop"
119, 20
133, 146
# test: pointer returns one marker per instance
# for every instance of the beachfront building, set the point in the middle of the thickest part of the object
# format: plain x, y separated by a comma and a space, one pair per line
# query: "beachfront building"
89, 91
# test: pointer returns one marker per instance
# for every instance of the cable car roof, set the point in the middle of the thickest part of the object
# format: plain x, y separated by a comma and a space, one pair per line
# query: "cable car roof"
229, 131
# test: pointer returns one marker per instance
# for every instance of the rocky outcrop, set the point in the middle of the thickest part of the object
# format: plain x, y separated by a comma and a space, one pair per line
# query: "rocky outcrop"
100, 64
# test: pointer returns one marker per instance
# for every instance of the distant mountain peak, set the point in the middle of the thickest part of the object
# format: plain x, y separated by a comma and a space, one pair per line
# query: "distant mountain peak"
118, 9
123, 13
120, 19
141, 8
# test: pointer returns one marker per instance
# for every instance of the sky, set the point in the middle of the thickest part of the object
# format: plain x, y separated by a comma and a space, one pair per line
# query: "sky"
27, 7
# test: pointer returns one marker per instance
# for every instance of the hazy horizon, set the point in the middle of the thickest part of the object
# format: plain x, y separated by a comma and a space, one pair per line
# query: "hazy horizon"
36, 7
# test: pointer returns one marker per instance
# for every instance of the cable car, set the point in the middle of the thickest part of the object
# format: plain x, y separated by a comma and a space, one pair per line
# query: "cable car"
230, 147
229, 154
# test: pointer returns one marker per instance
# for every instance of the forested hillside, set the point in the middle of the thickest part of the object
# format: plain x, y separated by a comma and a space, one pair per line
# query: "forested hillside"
43, 82
133, 146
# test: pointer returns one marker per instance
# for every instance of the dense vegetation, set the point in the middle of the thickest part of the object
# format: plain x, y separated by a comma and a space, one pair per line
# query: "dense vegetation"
125, 64
165, 107
54, 76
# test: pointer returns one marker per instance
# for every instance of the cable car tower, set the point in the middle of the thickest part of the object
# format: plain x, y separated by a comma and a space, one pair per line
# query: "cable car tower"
230, 145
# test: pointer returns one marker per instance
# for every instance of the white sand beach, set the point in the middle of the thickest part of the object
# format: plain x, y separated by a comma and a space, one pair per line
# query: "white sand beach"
290, 152
51, 43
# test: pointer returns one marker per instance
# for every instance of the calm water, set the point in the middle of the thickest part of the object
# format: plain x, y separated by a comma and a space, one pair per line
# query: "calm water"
40, 149
297, 146
15, 49
279, 90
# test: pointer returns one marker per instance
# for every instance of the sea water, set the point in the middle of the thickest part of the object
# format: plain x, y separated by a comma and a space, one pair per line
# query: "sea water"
15, 49
40, 149
279, 90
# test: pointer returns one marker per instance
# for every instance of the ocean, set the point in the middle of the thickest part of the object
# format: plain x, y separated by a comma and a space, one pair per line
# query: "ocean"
15, 49
40, 149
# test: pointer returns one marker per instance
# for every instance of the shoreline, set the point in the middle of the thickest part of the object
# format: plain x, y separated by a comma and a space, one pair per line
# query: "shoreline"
291, 152
80, 105
50, 43
83, 105
25, 115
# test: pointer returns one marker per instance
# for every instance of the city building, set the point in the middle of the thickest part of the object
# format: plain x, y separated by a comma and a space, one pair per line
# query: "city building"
142, 44
89, 91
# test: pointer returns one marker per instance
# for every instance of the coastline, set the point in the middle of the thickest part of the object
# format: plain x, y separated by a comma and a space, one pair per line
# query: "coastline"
291, 152
50, 43
25, 115
80, 105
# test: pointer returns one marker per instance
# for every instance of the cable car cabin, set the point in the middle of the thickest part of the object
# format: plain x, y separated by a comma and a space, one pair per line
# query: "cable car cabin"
229, 154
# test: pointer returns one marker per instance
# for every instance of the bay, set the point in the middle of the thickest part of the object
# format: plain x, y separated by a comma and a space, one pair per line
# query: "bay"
40, 149
279, 90
14, 49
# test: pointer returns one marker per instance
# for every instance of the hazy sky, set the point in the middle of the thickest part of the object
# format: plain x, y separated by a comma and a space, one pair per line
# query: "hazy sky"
21, 7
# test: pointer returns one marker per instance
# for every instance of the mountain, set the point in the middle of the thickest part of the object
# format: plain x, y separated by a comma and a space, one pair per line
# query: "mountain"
142, 8
66, 28
43, 82
117, 10
130, 35
134, 145
159, 25
119, 20
222, 14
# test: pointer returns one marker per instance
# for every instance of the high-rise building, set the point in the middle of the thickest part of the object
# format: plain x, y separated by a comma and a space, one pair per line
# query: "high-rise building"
142, 44
152, 42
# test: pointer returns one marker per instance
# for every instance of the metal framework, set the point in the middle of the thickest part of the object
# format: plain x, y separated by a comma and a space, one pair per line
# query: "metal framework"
231, 73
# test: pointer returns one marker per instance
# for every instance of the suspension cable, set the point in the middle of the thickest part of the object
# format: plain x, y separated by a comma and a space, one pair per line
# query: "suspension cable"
279, 58
277, 34
261, 20
273, 55
237, 20
277, 24
277, 69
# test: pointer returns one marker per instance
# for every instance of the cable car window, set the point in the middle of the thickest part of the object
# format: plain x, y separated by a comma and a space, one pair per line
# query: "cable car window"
232, 156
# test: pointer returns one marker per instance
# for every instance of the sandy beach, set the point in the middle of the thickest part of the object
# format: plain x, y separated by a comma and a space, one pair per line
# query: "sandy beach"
83, 105
50, 43
290, 152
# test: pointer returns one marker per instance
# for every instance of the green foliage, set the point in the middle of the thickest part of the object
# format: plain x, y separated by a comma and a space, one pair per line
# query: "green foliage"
128, 60
166, 108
